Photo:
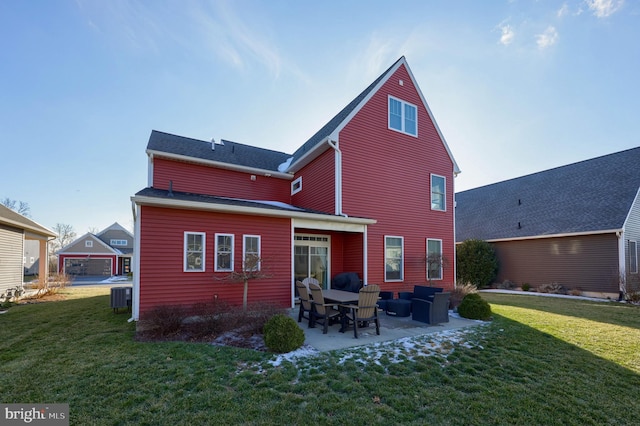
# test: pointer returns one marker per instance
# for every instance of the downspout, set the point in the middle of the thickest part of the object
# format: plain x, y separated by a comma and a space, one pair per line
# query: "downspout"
338, 177
135, 296
338, 210
622, 265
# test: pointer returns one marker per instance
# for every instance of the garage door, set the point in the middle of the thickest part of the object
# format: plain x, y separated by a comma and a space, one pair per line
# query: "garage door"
81, 267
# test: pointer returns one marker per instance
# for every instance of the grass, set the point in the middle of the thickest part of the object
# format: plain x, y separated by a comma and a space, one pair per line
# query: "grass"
540, 361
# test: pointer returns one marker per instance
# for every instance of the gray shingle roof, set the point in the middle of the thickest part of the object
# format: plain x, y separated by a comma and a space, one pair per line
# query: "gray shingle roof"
328, 128
16, 220
227, 152
588, 196
211, 199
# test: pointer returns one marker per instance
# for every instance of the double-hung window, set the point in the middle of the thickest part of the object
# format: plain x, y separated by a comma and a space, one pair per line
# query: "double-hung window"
633, 257
224, 253
434, 259
194, 256
393, 258
438, 188
403, 116
251, 252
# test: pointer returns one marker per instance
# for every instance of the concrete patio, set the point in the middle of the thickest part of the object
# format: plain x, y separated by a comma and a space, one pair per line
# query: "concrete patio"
391, 328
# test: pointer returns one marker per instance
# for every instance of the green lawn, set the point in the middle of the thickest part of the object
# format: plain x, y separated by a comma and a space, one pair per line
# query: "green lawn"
540, 361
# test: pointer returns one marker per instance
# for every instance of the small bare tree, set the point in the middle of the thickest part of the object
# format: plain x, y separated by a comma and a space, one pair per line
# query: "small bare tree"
66, 235
251, 270
435, 263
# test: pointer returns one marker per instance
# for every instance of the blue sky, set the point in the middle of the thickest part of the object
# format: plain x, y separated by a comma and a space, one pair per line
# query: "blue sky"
516, 86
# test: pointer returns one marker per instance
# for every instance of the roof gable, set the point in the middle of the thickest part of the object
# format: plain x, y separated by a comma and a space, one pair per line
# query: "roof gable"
589, 196
338, 122
79, 246
16, 220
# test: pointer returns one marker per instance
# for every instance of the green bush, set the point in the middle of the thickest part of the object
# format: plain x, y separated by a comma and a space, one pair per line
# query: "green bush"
474, 307
477, 263
282, 334
526, 287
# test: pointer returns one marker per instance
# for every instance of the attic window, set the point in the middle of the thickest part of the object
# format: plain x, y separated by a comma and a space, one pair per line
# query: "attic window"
403, 116
296, 186
118, 243
88, 243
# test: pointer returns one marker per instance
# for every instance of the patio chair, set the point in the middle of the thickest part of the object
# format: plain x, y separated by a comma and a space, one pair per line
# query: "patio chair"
366, 310
310, 280
432, 311
305, 301
320, 310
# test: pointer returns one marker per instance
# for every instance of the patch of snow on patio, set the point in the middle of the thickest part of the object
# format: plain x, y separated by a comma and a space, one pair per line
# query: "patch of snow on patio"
440, 344
114, 280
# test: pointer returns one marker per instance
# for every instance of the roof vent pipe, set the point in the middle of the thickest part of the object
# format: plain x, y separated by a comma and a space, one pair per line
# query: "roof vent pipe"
213, 144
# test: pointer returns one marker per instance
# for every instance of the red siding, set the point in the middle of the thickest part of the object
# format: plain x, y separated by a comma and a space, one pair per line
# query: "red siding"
201, 179
162, 280
386, 176
318, 184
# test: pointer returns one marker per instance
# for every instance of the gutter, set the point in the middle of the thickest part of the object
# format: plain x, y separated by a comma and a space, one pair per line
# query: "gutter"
338, 176
235, 167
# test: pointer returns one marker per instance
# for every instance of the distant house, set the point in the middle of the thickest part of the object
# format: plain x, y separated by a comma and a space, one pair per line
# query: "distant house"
15, 231
577, 225
106, 253
371, 192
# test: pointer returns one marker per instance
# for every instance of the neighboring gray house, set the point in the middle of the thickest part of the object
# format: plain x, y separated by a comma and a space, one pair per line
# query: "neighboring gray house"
106, 253
15, 230
577, 225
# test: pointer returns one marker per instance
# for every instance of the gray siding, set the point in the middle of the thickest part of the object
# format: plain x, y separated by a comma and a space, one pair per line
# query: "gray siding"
632, 233
588, 263
11, 253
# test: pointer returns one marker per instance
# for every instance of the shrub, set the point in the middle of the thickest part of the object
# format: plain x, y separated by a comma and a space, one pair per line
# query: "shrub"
474, 307
526, 287
553, 288
282, 334
506, 285
164, 320
476, 263
575, 292
459, 292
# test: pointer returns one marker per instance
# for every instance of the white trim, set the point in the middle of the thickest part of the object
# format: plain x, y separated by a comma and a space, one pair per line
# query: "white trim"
244, 248
220, 165
441, 254
224, 208
538, 237
329, 226
444, 194
215, 254
185, 252
401, 259
402, 116
297, 182
365, 256
136, 264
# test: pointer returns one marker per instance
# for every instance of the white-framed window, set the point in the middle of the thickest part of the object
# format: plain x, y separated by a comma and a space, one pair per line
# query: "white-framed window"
251, 252
393, 258
224, 253
434, 259
296, 185
88, 243
118, 242
194, 251
403, 116
633, 257
438, 193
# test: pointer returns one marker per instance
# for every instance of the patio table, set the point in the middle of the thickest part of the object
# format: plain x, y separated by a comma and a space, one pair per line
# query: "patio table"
340, 296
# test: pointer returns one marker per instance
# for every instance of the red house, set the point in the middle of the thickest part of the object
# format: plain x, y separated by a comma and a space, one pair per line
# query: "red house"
371, 192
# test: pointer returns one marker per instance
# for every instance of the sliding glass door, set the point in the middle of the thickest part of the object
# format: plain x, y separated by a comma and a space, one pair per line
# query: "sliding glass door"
311, 258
